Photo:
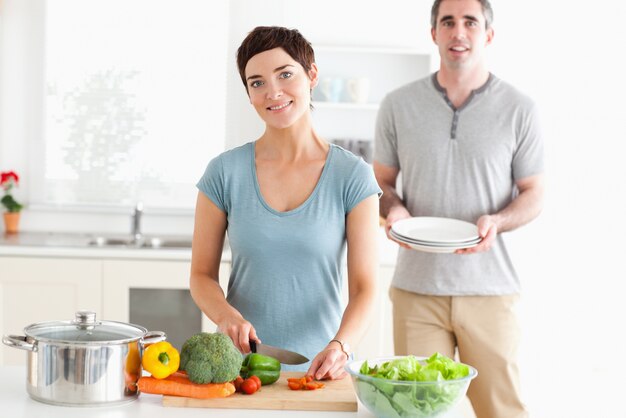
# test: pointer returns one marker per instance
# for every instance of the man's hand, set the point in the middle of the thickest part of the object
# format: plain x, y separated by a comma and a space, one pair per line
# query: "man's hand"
487, 230
395, 214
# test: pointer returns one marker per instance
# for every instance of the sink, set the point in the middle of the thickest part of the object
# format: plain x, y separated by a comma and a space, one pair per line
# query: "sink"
156, 242
109, 242
147, 242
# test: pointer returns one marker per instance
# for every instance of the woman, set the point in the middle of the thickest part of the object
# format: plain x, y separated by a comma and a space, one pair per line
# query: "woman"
290, 201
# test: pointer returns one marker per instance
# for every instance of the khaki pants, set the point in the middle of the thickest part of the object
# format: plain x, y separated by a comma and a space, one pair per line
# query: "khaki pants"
485, 331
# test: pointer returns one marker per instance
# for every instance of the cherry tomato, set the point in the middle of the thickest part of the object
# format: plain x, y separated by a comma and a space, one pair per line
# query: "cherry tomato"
249, 386
257, 380
237, 383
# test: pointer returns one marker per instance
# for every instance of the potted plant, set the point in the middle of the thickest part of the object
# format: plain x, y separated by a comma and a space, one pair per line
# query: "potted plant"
9, 180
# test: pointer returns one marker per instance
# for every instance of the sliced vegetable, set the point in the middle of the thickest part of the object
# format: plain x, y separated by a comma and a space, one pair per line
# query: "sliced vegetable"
266, 368
160, 359
303, 383
179, 385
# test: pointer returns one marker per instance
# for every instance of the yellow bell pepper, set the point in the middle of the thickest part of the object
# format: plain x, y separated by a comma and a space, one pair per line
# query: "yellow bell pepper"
161, 359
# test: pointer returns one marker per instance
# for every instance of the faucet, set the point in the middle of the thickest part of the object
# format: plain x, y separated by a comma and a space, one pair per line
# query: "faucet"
136, 223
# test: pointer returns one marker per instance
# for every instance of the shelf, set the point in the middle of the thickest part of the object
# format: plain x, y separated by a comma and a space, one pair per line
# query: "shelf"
344, 105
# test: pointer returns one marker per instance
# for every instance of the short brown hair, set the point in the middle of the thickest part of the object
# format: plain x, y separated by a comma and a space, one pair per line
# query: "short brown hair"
486, 6
264, 38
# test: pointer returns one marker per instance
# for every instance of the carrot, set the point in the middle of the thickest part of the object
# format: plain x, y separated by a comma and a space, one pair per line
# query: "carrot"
180, 385
303, 383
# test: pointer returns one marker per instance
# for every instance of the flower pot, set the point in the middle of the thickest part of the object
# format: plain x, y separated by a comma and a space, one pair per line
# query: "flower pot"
11, 222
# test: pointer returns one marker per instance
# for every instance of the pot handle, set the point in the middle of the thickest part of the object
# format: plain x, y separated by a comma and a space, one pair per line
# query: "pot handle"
18, 341
152, 337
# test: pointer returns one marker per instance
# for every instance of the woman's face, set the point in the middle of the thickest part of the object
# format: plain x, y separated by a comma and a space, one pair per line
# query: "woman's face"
279, 87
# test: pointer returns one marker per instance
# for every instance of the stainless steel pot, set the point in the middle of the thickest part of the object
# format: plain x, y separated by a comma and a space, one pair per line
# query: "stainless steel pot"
83, 362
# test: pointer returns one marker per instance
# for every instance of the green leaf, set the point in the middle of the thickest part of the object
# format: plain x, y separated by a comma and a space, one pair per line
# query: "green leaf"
390, 399
10, 203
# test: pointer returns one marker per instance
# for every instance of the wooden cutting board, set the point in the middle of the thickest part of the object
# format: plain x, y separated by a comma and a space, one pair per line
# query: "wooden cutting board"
337, 395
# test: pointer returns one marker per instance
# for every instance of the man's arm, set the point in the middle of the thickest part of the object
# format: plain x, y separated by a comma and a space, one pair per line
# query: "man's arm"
386, 177
523, 209
391, 206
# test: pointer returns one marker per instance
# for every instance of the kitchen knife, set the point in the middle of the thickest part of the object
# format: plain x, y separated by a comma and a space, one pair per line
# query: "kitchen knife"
282, 355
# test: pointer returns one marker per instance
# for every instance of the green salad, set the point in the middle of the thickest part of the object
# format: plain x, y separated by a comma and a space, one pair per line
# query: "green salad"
392, 399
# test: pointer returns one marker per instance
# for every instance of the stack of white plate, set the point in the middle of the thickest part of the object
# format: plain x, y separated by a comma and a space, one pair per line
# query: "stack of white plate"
435, 235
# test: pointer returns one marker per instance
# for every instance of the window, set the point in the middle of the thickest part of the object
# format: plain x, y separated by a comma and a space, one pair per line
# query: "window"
134, 101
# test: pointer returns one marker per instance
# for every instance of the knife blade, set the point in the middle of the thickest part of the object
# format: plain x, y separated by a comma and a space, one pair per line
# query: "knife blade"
280, 354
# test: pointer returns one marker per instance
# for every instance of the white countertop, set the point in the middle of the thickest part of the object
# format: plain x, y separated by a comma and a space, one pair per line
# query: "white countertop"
74, 245
15, 403
45, 244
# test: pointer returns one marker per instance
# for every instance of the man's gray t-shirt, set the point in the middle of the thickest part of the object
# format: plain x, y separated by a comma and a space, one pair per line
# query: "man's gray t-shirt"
286, 274
458, 163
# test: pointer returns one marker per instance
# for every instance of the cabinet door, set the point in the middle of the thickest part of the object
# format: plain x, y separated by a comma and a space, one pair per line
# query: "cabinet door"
44, 289
155, 295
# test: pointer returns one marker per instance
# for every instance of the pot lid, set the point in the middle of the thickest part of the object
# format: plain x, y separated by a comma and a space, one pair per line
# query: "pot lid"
84, 329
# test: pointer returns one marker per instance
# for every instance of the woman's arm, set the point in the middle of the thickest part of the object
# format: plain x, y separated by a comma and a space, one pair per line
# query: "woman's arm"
361, 232
206, 254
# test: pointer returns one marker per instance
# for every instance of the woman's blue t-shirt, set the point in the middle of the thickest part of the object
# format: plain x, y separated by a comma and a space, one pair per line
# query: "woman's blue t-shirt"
286, 274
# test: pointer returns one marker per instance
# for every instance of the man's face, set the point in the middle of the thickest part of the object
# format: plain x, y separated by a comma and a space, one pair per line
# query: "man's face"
460, 33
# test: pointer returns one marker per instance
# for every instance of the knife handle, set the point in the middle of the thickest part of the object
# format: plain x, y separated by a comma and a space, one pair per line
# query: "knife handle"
252, 346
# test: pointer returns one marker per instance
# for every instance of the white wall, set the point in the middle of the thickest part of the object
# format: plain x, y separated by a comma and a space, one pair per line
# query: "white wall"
20, 32
566, 55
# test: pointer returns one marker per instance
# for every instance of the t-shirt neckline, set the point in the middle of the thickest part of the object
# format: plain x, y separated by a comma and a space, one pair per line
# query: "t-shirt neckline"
308, 200
473, 94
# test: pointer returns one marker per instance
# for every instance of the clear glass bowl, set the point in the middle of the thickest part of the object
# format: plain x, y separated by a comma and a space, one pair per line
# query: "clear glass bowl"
398, 398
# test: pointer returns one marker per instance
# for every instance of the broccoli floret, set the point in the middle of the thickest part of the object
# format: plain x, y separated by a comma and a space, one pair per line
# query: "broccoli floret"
210, 358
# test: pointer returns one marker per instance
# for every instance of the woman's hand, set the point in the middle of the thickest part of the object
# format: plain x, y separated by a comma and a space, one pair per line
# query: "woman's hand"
240, 331
328, 364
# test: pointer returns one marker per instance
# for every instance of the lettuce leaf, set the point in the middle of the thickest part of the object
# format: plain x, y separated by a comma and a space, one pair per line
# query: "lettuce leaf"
392, 400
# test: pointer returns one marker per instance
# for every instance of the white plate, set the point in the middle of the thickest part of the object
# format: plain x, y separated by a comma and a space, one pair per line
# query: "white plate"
417, 241
439, 250
436, 230
434, 244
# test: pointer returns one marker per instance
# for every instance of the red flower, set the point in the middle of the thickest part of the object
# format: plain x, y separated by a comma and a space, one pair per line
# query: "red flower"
8, 180
7, 176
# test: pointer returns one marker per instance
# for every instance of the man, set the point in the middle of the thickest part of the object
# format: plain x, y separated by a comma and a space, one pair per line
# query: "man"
468, 147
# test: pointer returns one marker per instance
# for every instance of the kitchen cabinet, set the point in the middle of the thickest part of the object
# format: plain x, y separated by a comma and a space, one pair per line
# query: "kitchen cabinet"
36, 289
155, 294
